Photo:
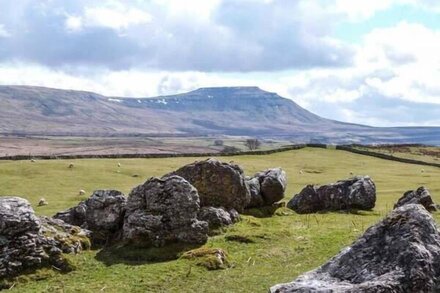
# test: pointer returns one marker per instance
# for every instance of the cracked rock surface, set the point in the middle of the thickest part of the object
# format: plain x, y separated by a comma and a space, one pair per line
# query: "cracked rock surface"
354, 193
399, 254
219, 184
163, 211
28, 242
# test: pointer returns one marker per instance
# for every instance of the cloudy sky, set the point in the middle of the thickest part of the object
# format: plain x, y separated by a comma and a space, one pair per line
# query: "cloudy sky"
375, 62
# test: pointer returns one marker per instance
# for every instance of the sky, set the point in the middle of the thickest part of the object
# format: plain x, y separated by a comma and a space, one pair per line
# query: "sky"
373, 62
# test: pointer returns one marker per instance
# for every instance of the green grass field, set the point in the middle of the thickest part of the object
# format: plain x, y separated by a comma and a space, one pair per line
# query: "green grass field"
286, 244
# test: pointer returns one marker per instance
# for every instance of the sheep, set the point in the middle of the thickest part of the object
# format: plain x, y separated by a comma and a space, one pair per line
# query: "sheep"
301, 171
351, 173
32, 161
82, 192
423, 171
71, 165
42, 202
119, 165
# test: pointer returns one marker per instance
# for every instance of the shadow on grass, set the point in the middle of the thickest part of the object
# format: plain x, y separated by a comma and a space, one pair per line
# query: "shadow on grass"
132, 255
265, 211
359, 212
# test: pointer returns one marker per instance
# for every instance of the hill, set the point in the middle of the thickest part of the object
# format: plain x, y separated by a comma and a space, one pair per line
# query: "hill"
236, 111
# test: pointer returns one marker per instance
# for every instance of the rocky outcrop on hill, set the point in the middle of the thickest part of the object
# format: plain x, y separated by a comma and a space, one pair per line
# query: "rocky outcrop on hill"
218, 184
355, 193
163, 211
266, 187
419, 196
28, 242
399, 254
102, 213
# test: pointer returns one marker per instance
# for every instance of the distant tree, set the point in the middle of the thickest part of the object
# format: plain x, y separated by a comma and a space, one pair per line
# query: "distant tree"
230, 149
218, 142
252, 143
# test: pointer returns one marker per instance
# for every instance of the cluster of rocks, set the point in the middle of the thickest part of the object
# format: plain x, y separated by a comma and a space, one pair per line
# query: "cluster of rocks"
357, 193
29, 242
182, 206
399, 254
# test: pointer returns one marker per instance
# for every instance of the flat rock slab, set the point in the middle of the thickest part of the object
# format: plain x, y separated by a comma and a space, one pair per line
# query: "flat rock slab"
399, 254
355, 193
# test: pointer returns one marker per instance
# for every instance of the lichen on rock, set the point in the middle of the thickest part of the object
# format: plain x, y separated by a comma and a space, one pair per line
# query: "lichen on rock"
399, 254
28, 242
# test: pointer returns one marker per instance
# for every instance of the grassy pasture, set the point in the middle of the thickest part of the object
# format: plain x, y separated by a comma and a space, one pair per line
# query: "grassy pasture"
283, 247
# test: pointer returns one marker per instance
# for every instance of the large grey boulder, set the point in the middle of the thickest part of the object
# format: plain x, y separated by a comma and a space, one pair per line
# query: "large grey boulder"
163, 211
102, 213
267, 187
28, 242
218, 184
355, 193
399, 254
419, 196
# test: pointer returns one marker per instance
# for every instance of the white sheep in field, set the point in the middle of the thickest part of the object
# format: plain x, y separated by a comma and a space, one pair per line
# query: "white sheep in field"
301, 171
119, 165
82, 192
71, 165
423, 171
42, 202
32, 161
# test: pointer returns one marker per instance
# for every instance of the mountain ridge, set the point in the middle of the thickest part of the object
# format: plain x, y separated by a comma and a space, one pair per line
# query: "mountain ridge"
240, 111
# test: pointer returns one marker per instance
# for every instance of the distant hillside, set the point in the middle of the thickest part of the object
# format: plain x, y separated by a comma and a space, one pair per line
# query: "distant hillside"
244, 111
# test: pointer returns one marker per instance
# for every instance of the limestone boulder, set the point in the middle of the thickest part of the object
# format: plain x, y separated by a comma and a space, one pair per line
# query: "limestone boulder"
355, 193
399, 254
163, 211
102, 213
267, 187
219, 184
419, 196
28, 242
217, 217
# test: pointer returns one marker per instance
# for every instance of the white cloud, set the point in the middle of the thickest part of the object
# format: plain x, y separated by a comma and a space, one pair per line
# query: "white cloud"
416, 73
115, 17
3, 32
112, 14
74, 23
